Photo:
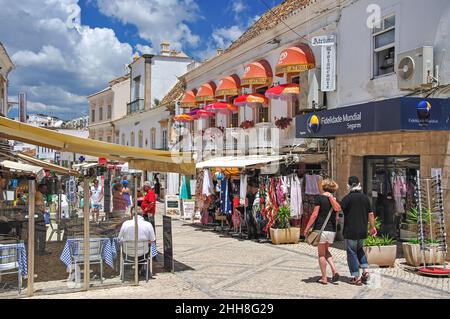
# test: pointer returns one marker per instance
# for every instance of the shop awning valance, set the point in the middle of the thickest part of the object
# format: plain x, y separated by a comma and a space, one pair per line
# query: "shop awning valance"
257, 73
229, 86
206, 93
239, 162
188, 100
252, 100
24, 168
62, 142
296, 60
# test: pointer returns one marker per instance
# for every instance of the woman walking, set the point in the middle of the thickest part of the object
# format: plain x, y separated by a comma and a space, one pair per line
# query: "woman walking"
323, 205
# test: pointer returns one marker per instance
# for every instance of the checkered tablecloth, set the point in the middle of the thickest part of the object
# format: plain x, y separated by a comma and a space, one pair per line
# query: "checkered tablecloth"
116, 247
107, 254
22, 256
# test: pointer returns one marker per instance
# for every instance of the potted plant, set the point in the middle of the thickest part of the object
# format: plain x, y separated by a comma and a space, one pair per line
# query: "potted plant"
381, 251
247, 124
409, 230
415, 257
282, 232
283, 123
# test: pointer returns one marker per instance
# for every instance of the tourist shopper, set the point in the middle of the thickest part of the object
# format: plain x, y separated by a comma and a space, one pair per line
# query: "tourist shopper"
149, 203
357, 214
119, 202
97, 194
325, 205
126, 192
157, 188
40, 227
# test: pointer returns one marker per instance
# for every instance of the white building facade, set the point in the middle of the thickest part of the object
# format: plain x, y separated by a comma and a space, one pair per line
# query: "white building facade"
6, 66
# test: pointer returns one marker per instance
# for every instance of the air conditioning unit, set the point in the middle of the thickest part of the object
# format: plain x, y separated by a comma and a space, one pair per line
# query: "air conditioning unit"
415, 68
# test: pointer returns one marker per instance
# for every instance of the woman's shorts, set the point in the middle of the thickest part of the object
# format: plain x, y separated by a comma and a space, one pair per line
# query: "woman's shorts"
327, 237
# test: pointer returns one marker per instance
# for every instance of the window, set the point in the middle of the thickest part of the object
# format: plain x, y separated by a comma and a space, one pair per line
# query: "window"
137, 87
123, 139
109, 112
132, 140
295, 104
164, 140
100, 114
212, 121
384, 47
108, 139
235, 119
153, 138
93, 116
262, 113
141, 139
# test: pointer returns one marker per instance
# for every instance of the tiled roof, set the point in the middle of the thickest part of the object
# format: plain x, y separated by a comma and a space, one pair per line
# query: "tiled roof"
174, 95
269, 20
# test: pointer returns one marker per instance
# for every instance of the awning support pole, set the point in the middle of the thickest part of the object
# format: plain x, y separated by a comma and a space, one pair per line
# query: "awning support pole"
86, 234
31, 212
136, 237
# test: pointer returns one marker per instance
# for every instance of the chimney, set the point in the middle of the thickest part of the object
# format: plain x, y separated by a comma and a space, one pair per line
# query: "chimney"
219, 51
165, 48
173, 52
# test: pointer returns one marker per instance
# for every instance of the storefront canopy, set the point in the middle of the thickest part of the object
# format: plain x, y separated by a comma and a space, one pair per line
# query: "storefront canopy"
295, 60
239, 162
229, 86
189, 100
20, 167
206, 93
47, 138
257, 73
47, 166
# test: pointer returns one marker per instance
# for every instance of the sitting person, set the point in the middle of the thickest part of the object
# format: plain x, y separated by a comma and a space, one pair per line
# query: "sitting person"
145, 233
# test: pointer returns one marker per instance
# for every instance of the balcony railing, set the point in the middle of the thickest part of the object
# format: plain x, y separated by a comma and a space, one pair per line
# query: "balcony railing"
135, 106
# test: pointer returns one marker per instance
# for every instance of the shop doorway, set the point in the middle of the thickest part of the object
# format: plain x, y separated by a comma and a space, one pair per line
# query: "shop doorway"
390, 184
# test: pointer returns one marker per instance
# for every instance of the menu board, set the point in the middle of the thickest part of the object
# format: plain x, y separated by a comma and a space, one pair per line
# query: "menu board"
168, 244
172, 205
188, 209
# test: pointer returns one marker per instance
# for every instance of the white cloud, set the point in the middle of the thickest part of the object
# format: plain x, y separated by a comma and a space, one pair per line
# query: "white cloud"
58, 62
223, 37
238, 6
156, 20
145, 49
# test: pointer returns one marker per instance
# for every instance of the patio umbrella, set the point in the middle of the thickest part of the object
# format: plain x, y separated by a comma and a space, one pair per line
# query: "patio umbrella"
221, 107
194, 114
251, 100
183, 118
284, 92
205, 114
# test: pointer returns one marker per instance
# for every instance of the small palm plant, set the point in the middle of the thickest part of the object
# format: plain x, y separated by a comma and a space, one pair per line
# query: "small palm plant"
283, 217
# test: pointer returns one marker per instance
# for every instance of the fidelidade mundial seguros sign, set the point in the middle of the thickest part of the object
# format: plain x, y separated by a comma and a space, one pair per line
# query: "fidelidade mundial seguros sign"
399, 114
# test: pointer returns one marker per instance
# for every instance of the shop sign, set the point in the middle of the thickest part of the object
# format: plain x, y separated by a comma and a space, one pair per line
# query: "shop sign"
102, 161
323, 40
407, 114
256, 81
328, 68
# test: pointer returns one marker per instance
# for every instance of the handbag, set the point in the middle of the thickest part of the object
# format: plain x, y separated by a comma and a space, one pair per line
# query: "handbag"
313, 238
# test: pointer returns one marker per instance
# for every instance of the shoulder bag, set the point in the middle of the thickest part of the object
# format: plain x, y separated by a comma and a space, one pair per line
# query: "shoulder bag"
313, 238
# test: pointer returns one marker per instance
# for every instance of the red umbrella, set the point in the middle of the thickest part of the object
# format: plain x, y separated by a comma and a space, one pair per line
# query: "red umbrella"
205, 114
221, 107
284, 92
251, 100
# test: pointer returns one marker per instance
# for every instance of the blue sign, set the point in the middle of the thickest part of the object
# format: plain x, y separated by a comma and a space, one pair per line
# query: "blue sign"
82, 159
399, 114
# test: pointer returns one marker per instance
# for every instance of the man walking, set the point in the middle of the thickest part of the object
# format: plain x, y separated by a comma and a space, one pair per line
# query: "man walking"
96, 200
149, 203
357, 214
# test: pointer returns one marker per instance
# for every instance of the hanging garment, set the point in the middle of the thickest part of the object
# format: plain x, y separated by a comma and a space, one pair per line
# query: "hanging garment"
225, 199
199, 197
173, 183
185, 188
312, 184
208, 185
400, 190
236, 216
296, 197
243, 189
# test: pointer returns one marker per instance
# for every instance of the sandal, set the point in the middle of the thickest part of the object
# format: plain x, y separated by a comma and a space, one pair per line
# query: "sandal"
322, 282
335, 278
365, 278
355, 282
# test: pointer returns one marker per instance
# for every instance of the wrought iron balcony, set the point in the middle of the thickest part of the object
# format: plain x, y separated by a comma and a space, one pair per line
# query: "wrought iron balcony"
135, 106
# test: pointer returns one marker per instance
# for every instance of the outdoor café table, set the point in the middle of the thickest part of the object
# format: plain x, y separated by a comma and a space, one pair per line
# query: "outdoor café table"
107, 253
22, 258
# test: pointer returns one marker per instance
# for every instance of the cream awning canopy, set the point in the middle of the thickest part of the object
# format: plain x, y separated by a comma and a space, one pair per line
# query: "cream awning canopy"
241, 162
47, 166
154, 160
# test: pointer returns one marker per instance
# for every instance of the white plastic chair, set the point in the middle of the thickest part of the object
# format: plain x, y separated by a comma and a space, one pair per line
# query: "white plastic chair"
9, 263
95, 254
127, 257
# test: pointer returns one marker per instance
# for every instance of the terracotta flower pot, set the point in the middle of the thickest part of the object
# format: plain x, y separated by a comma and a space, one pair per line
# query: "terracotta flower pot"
414, 256
285, 236
383, 256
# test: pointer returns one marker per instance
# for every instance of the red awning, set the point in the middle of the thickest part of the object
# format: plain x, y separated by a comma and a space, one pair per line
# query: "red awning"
206, 93
229, 86
251, 100
284, 92
296, 60
189, 100
257, 73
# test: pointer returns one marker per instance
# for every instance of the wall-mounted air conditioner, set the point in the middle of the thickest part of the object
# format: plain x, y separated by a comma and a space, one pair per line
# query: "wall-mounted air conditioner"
415, 68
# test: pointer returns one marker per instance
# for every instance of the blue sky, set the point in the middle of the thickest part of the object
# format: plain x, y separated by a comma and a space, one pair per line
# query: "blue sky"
68, 49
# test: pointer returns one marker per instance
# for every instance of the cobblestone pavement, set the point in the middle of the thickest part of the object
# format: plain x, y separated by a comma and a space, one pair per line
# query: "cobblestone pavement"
215, 265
